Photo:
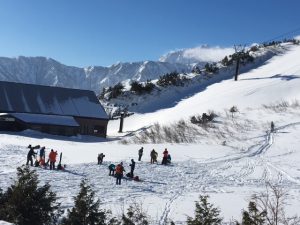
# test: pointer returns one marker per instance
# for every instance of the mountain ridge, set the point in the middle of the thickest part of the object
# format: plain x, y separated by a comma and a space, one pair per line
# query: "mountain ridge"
47, 71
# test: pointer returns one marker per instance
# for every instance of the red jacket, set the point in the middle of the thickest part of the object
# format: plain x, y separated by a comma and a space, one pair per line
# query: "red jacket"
119, 169
52, 156
165, 153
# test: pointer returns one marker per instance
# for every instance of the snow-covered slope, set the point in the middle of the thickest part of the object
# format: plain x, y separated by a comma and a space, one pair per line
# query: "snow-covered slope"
278, 79
230, 172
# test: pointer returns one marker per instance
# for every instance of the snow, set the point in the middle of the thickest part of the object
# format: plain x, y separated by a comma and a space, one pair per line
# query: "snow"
4, 223
229, 173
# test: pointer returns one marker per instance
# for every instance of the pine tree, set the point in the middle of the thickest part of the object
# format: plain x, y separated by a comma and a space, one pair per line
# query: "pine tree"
253, 216
205, 213
24, 203
86, 210
135, 215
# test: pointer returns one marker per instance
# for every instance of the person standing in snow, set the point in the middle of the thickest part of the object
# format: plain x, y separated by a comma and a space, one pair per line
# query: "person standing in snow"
31, 153
42, 153
272, 126
119, 173
165, 157
132, 167
52, 159
141, 153
100, 158
153, 155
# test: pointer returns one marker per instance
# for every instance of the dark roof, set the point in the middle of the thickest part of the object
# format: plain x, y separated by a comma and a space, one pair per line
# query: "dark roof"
31, 98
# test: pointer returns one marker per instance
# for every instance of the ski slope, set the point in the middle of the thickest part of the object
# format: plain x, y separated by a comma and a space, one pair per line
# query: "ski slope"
229, 173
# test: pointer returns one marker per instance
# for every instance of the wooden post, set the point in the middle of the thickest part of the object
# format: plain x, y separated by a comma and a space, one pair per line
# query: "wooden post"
121, 123
237, 67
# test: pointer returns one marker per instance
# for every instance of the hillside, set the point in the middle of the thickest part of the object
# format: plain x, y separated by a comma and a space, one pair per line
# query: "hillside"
229, 161
47, 71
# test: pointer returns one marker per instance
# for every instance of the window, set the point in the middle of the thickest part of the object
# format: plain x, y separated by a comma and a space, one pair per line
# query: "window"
99, 129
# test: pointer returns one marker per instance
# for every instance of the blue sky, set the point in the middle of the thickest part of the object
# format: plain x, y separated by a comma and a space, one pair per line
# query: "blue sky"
98, 32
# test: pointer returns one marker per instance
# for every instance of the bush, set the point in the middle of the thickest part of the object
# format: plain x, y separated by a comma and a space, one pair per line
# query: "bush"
171, 79
24, 203
226, 61
244, 57
139, 88
204, 119
211, 68
196, 70
116, 90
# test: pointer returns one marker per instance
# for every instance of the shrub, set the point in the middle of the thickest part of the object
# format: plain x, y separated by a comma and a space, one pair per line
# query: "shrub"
24, 203
116, 90
171, 79
140, 88
136, 87
204, 119
196, 70
226, 61
211, 68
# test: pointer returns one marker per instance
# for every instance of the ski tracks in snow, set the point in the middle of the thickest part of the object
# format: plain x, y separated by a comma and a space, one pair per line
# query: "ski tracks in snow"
167, 183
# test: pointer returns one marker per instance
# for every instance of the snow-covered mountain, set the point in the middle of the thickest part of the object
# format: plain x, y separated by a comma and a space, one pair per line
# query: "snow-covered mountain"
47, 71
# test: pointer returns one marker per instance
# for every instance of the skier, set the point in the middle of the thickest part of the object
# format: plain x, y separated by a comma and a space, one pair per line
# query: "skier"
31, 153
52, 159
165, 156
141, 153
100, 158
111, 168
272, 126
119, 173
132, 167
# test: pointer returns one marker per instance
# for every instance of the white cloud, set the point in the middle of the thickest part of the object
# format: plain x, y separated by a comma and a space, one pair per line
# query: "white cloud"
207, 53
197, 54
297, 37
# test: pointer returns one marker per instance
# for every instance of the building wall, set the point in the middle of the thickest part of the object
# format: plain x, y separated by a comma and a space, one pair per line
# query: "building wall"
88, 126
8, 123
53, 129
95, 127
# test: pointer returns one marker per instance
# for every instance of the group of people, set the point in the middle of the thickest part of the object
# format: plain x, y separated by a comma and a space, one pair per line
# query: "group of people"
153, 155
119, 170
40, 157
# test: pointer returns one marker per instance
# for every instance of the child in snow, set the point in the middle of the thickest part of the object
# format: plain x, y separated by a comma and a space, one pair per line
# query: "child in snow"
111, 168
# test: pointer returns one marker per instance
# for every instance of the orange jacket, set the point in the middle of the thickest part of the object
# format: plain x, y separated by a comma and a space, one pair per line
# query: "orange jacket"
52, 156
119, 169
